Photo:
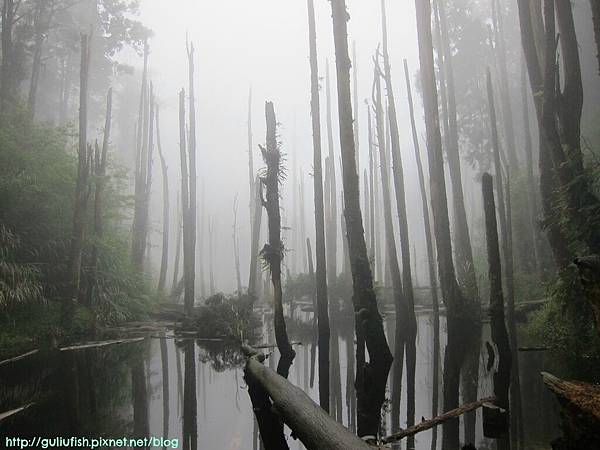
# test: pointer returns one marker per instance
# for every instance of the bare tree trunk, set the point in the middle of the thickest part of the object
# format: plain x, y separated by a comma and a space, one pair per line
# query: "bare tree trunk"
371, 211
100, 164
273, 251
9, 10
164, 262
321, 265
331, 228
430, 261
460, 315
190, 247
302, 225
256, 224
236, 248
498, 327
82, 188
407, 284
41, 24
251, 174
400, 304
211, 256
355, 98
178, 244
371, 377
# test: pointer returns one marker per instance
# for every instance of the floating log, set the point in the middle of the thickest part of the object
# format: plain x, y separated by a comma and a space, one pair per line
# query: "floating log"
12, 412
17, 358
427, 424
100, 344
534, 349
580, 412
307, 420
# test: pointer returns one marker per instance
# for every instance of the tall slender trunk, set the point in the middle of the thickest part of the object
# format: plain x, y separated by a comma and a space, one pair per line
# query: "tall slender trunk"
273, 251
355, 98
41, 23
9, 10
331, 229
372, 376
164, 261
236, 248
82, 187
256, 224
100, 164
596, 21
371, 211
430, 261
190, 247
461, 318
497, 325
178, 244
251, 174
201, 225
400, 304
211, 256
407, 284
321, 265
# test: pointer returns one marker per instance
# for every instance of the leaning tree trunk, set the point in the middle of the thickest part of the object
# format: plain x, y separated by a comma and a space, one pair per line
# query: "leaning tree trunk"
321, 265
400, 303
82, 188
497, 325
372, 376
430, 261
461, 318
273, 251
398, 171
164, 261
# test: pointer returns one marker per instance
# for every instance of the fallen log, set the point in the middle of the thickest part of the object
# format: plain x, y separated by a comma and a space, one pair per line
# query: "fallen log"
12, 412
579, 413
17, 358
534, 349
100, 344
427, 424
307, 420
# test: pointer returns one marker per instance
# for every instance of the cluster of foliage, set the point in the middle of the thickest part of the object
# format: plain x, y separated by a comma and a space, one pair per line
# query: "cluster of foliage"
37, 173
227, 317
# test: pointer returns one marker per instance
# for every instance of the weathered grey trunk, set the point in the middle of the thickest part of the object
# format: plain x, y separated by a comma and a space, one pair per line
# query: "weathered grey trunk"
372, 376
256, 224
178, 244
82, 187
596, 21
410, 324
100, 163
400, 304
430, 261
164, 260
322, 311
331, 225
356, 114
273, 251
497, 324
371, 211
190, 246
7, 82
236, 248
460, 315
41, 23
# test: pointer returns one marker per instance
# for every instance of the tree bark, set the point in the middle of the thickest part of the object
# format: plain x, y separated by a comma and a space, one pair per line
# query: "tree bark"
190, 247
596, 21
497, 325
410, 323
461, 317
372, 376
82, 188
321, 265
7, 88
236, 248
178, 244
273, 251
164, 261
430, 260
331, 226
400, 303
256, 224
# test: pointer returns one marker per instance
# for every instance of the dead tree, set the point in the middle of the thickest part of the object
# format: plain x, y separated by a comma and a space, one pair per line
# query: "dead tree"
400, 304
178, 244
498, 326
250, 157
236, 247
371, 377
355, 98
256, 224
371, 211
82, 187
321, 265
331, 226
7, 75
211, 254
138, 243
42, 19
596, 21
461, 317
164, 261
407, 284
100, 163
430, 259
273, 251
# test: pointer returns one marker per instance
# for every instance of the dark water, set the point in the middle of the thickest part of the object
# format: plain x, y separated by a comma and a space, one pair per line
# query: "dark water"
118, 391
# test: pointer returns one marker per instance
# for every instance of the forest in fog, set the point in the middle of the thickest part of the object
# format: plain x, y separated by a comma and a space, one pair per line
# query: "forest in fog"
318, 224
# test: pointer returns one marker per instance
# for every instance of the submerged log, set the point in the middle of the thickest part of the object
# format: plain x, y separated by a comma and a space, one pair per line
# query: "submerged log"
580, 413
12, 412
307, 420
427, 424
17, 358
